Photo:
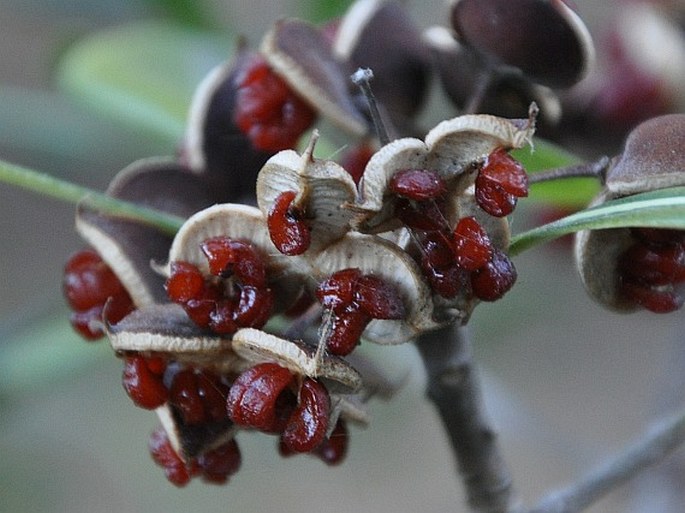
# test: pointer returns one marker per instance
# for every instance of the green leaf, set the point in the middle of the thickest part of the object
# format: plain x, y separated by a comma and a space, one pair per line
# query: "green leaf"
571, 193
142, 74
664, 208
321, 11
46, 124
187, 12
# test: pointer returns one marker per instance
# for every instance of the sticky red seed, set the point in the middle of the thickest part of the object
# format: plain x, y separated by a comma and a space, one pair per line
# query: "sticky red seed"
655, 265
254, 307
417, 184
346, 330
88, 323
493, 280
333, 449
378, 299
143, 382
88, 281
307, 426
657, 301
217, 465
472, 246
228, 257
267, 111
253, 398
499, 184
184, 396
222, 317
337, 292
185, 282
421, 215
164, 455
287, 228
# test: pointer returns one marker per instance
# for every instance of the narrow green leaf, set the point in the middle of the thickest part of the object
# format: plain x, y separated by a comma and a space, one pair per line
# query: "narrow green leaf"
664, 208
571, 193
42, 183
143, 74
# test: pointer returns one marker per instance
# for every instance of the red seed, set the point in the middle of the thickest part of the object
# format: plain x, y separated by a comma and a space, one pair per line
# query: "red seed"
88, 323
655, 265
657, 301
164, 455
143, 382
185, 398
378, 299
253, 398
417, 184
472, 245
346, 329
185, 282
222, 317
88, 281
421, 215
333, 449
254, 307
307, 426
228, 257
287, 228
217, 465
492, 281
267, 111
499, 184
337, 292
437, 250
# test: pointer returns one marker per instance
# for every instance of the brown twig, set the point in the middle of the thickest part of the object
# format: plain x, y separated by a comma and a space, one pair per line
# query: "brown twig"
650, 450
454, 388
595, 169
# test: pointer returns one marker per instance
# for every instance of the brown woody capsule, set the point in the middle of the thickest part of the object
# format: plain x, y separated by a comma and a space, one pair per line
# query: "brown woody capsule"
653, 158
543, 38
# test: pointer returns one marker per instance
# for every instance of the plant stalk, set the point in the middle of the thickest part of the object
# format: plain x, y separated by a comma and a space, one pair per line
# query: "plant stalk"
454, 388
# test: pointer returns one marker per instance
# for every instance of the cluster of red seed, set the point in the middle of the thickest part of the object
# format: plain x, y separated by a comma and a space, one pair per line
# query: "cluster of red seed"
652, 269
272, 399
271, 115
266, 397
354, 299
88, 285
198, 397
463, 258
236, 294
214, 466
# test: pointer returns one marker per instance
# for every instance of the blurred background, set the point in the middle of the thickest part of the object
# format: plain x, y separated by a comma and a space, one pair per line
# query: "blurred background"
566, 383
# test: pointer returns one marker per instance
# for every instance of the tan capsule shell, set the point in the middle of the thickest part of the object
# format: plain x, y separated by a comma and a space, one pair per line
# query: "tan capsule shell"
323, 189
258, 346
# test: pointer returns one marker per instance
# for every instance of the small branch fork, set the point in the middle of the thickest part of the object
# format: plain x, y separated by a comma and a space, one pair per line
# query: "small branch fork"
454, 388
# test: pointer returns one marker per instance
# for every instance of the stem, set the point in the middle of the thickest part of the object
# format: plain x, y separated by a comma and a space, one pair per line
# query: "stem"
56, 188
362, 78
654, 447
592, 169
454, 388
